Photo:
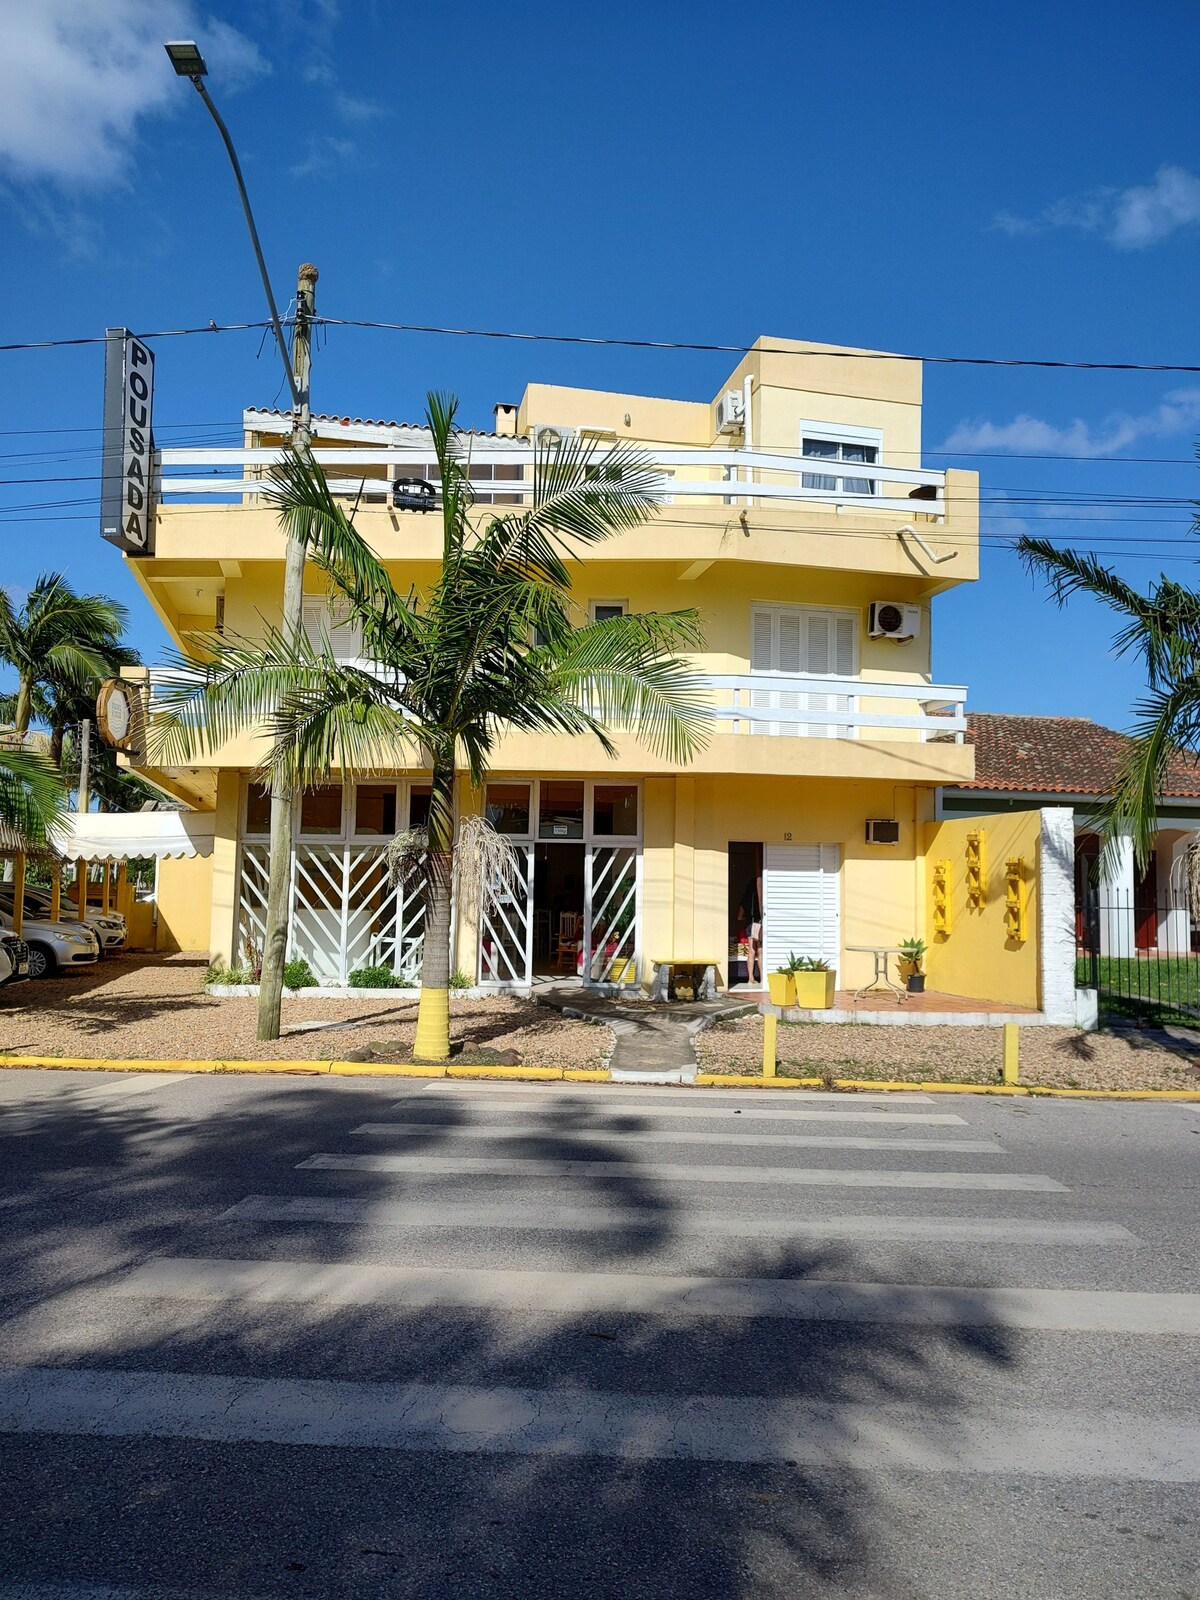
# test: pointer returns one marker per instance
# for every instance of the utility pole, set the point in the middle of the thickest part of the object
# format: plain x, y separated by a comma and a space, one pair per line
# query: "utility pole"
274, 954
83, 798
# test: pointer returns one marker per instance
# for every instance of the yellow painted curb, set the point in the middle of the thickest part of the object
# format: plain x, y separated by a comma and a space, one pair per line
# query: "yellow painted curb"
731, 1080
706, 1080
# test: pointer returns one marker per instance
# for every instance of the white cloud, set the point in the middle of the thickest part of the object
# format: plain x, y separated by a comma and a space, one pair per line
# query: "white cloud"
1177, 412
324, 156
1131, 219
76, 77
355, 110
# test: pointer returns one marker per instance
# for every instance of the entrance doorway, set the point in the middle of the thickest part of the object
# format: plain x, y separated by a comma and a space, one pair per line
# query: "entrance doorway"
745, 914
558, 897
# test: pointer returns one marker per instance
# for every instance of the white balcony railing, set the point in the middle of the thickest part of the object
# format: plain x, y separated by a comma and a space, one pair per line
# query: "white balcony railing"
789, 707
737, 477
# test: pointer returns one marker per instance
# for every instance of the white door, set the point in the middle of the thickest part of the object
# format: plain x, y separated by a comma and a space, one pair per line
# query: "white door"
801, 903
798, 640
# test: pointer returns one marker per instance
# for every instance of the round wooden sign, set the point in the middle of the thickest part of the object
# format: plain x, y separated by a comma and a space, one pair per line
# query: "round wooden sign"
118, 713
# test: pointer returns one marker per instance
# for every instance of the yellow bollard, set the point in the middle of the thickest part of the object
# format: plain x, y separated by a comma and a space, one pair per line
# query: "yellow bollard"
770, 1036
1011, 1068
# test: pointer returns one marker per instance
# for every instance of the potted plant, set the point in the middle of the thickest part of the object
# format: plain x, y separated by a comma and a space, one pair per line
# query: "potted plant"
911, 952
814, 981
781, 984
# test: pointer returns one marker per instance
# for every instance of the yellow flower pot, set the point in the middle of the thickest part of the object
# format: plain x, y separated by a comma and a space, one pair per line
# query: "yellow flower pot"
814, 990
781, 988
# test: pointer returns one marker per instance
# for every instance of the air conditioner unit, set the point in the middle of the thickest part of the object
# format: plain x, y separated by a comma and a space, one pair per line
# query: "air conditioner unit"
883, 830
888, 619
731, 411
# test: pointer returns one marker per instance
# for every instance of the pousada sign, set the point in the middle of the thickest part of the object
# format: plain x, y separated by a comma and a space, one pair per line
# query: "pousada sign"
127, 487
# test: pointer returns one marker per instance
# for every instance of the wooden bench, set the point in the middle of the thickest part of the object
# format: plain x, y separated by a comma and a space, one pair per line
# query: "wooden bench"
705, 988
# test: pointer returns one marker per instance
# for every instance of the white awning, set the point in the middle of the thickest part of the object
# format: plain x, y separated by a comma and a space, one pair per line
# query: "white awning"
128, 835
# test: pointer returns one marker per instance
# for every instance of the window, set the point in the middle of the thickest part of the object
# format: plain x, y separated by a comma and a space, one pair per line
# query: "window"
615, 810
258, 808
560, 812
375, 809
834, 449
485, 478
802, 641
326, 625
418, 805
508, 807
603, 610
321, 810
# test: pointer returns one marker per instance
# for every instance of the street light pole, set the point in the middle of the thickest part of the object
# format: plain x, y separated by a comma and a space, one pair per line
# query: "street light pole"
189, 63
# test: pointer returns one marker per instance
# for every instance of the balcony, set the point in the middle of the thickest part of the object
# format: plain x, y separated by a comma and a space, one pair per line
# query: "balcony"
716, 477
837, 708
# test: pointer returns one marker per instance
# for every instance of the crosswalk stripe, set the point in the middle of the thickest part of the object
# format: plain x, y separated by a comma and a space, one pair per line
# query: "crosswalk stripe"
454, 1418
782, 1141
671, 1172
598, 1093
755, 1113
599, 1219
656, 1294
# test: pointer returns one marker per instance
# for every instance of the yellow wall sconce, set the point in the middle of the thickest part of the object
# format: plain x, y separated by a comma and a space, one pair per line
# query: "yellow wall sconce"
942, 916
1015, 900
976, 870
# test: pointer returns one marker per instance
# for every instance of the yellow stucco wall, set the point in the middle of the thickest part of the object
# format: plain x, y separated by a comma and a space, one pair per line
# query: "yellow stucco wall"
977, 959
184, 898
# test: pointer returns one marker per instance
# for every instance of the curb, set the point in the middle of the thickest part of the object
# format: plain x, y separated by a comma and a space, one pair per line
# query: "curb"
703, 1080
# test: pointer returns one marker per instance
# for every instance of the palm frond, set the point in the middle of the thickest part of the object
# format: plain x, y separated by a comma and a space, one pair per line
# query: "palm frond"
32, 798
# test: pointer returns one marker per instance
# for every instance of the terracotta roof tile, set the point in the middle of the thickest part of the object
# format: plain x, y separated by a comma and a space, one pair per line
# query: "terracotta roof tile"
1058, 755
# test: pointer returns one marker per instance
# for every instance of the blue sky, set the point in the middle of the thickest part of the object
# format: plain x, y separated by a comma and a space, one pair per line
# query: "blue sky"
1002, 180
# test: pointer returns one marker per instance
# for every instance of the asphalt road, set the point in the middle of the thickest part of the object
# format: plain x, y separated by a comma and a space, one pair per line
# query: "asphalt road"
310, 1337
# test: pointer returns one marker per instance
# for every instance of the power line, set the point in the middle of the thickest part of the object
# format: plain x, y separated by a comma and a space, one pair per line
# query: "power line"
637, 344
746, 349
162, 333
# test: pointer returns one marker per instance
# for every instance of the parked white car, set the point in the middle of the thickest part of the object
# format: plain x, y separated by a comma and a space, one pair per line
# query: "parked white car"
55, 946
108, 926
15, 953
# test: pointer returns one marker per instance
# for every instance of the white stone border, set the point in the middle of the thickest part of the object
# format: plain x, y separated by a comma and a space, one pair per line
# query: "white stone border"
249, 991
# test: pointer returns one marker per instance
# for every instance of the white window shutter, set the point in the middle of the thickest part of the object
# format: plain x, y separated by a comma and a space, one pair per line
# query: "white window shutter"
816, 656
801, 903
790, 636
846, 637
762, 654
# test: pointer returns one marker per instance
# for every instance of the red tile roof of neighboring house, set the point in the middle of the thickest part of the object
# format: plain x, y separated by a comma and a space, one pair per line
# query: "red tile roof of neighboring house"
1058, 755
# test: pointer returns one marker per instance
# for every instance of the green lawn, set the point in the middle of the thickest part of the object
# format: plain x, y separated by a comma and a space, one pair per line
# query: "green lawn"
1134, 986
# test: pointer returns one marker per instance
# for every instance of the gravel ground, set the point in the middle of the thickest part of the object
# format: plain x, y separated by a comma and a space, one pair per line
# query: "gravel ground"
1060, 1058
153, 1007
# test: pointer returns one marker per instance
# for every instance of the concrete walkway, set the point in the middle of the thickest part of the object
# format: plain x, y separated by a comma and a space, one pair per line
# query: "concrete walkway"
654, 1042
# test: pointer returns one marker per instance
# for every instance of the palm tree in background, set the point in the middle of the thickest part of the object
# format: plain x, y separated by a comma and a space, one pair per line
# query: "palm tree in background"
494, 644
32, 799
1163, 627
62, 645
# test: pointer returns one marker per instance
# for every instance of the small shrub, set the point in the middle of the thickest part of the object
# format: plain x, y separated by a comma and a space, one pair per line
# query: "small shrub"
298, 975
228, 976
372, 978
459, 980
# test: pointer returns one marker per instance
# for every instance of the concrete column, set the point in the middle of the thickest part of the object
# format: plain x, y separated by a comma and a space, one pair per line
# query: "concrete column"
684, 895
1174, 920
1056, 915
18, 880
81, 888
1116, 898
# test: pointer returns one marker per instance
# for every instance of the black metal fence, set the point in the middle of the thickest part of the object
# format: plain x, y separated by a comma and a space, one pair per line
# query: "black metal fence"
1141, 954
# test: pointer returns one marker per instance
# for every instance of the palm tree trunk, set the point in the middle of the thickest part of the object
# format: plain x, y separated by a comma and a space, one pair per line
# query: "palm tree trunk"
24, 706
432, 1042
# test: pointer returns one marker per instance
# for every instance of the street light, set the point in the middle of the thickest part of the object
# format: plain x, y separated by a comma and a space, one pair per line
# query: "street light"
185, 57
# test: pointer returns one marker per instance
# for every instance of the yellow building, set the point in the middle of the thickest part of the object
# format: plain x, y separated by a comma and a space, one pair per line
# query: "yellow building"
800, 521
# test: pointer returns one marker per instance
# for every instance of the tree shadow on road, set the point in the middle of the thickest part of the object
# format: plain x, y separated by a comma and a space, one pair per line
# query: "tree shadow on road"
96, 1183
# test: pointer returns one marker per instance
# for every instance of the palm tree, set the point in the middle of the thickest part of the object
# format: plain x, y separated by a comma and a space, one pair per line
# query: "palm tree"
492, 645
60, 643
32, 799
1163, 627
